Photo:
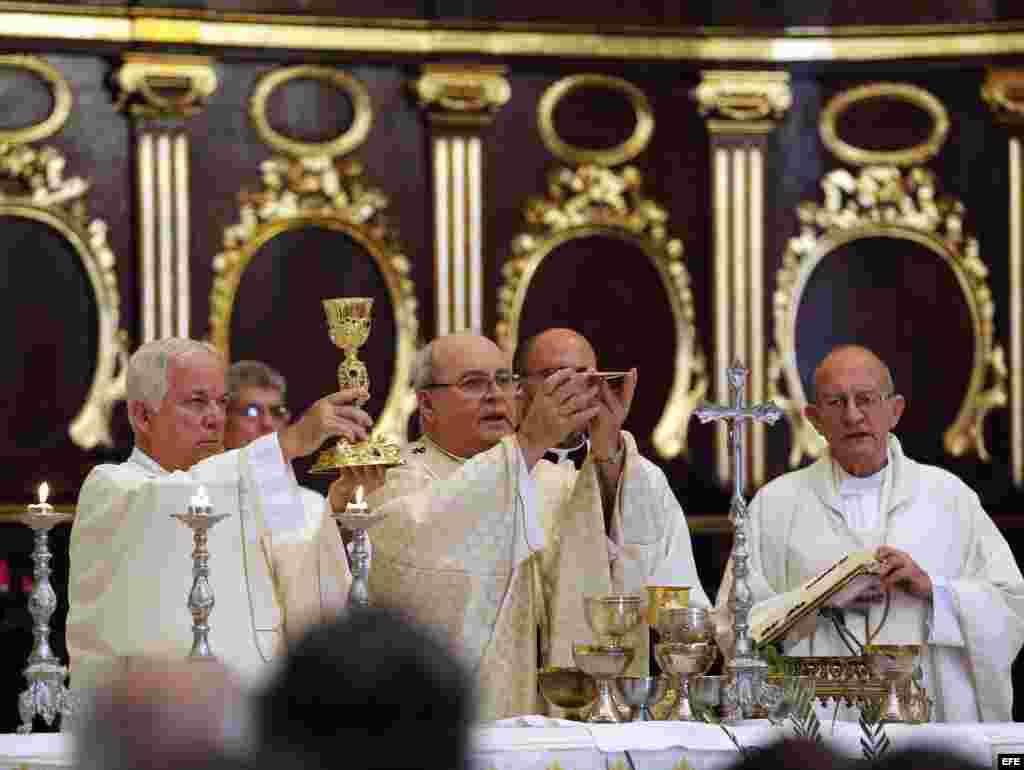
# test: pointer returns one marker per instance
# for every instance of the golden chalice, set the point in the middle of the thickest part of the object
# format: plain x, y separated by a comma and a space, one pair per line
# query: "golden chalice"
348, 323
613, 616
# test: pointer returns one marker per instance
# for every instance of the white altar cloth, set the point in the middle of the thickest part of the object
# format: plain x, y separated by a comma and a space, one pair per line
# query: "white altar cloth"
643, 746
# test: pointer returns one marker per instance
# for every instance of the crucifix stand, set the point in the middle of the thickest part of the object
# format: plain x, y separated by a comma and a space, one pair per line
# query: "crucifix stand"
746, 671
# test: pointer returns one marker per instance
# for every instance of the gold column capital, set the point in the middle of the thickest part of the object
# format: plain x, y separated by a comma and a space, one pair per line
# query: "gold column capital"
1003, 92
163, 85
742, 101
462, 94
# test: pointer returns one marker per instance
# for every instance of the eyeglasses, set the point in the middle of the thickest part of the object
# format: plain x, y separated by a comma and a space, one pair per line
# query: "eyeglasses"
254, 411
545, 373
864, 400
479, 385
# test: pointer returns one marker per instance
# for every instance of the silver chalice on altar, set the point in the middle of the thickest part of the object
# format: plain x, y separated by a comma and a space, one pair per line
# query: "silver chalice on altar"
604, 664
640, 693
688, 648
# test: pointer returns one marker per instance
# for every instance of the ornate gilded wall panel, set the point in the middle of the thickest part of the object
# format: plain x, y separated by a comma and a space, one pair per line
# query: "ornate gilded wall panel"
36, 189
315, 190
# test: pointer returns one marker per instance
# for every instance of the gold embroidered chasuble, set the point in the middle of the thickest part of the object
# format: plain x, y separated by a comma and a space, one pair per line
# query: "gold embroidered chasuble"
276, 565
499, 559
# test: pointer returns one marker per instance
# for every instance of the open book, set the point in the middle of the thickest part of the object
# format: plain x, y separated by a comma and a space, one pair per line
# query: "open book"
844, 575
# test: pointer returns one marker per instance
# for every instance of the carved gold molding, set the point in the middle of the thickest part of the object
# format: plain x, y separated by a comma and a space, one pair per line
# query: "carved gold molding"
333, 194
164, 86
605, 156
861, 156
462, 94
44, 195
59, 89
1003, 92
887, 202
346, 142
738, 95
596, 201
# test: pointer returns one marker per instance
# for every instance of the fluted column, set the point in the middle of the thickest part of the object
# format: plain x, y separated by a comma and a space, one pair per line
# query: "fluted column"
1003, 91
459, 102
741, 109
161, 93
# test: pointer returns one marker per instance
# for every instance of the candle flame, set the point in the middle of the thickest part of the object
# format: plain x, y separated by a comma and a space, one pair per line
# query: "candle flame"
359, 494
44, 492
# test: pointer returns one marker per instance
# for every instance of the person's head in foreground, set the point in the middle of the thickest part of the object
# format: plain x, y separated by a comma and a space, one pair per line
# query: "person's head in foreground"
177, 400
374, 688
855, 406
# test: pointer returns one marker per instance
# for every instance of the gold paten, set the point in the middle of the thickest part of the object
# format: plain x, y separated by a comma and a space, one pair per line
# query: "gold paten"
44, 195
594, 201
163, 85
346, 142
886, 202
60, 90
606, 156
744, 95
906, 156
316, 192
462, 94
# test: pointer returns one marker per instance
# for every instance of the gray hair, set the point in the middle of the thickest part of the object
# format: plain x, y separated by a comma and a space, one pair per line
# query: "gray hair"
148, 368
254, 374
423, 367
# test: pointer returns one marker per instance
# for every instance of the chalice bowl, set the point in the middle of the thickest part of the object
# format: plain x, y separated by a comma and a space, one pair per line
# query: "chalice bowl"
685, 624
895, 664
681, 660
706, 695
570, 689
603, 664
348, 323
613, 616
640, 693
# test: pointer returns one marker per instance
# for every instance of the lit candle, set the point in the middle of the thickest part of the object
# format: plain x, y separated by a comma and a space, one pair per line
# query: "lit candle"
200, 503
359, 506
42, 506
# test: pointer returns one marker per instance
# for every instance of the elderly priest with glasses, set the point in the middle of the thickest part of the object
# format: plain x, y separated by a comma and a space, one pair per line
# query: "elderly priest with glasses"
954, 583
130, 562
495, 546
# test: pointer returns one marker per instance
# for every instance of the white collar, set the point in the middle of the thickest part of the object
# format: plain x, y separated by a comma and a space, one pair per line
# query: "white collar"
141, 458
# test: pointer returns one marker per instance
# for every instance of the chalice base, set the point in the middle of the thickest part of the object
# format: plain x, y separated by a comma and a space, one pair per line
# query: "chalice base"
604, 709
377, 451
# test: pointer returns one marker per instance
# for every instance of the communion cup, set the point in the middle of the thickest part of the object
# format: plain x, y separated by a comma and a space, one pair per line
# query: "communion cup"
567, 688
682, 660
640, 693
685, 624
667, 597
705, 693
612, 616
894, 663
604, 664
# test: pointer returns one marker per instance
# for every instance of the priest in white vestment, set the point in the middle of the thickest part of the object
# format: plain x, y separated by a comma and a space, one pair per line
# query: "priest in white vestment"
495, 546
954, 582
130, 562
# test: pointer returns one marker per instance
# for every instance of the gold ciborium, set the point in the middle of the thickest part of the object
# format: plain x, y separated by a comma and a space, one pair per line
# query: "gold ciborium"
567, 688
348, 322
895, 664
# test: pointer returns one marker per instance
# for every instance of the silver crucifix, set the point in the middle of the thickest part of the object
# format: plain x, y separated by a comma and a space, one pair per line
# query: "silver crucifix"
746, 670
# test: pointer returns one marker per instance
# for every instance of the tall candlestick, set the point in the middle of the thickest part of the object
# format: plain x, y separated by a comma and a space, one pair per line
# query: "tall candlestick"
200, 518
358, 519
47, 695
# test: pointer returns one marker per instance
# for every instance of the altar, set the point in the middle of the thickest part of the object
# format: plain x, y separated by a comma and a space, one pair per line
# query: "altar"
538, 743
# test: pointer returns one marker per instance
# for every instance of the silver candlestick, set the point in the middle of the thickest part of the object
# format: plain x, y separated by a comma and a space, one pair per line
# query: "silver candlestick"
746, 670
200, 519
47, 695
357, 519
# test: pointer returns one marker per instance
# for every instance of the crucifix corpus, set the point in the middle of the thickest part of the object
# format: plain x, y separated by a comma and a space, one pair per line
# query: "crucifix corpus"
746, 671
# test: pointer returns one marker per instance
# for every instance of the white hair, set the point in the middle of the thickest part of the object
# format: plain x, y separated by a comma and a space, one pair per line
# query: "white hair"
423, 366
150, 365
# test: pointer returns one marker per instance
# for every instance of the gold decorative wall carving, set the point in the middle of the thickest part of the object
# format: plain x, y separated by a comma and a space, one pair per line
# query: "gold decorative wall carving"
887, 202
905, 156
597, 201
158, 86
36, 189
462, 94
317, 190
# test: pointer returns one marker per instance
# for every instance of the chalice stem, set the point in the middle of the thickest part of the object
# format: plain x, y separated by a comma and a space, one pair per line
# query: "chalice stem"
359, 552
893, 705
683, 711
604, 709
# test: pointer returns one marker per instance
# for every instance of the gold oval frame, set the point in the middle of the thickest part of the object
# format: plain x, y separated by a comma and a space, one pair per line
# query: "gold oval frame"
906, 92
359, 221
62, 100
639, 221
346, 142
608, 156
91, 426
842, 226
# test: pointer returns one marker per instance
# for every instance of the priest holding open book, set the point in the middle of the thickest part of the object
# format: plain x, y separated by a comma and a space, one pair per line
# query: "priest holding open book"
954, 583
